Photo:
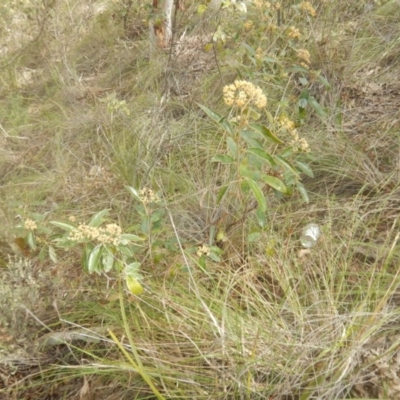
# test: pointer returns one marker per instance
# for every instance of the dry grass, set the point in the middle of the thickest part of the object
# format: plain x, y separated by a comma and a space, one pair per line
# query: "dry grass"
270, 320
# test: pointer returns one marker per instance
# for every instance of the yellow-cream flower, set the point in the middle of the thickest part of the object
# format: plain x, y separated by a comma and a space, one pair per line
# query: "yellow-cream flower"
30, 225
304, 55
308, 8
293, 32
243, 94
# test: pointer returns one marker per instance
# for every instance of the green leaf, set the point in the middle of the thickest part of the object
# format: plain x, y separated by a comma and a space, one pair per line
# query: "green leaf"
232, 147
132, 269
133, 192
133, 285
157, 215
227, 126
302, 113
303, 81
258, 194
31, 240
52, 254
201, 9
261, 217
223, 159
221, 193
131, 237
98, 218
45, 230
324, 81
247, 173
107, 260
270, 59
249, 49
298, 69
212, 114
305, 168
263, 155
317, 107
202, 263
254, 236
286, 164
63, 225
145, 225
286, 153
244, 186
39, 217
85, 256
275, 183
42, 253
249, 138
305, 94
266, 133
254, 115
213, 256
303, 192
94, 259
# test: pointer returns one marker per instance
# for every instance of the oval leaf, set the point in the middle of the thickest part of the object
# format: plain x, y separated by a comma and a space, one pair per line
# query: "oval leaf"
303, 192
107, 260
212, 114
133, 192
232, 147
31, 240
130, 237
94, 259
317, 107
250, 139
221, 193
52, 254
305, 168
261, 217
133, 269
324, 81
275, 183
133, 285
227, 126
247, 173
98, 218
223, 159
286, 164
266, 133
258, 194
62, 225
263, 155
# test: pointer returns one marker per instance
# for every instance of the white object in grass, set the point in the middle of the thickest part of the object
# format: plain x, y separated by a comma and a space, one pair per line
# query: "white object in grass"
310, 236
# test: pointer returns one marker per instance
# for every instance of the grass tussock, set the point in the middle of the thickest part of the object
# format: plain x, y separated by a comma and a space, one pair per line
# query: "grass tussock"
88, 109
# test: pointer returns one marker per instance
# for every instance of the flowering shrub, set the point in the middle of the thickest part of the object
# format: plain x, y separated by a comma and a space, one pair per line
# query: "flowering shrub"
259, 160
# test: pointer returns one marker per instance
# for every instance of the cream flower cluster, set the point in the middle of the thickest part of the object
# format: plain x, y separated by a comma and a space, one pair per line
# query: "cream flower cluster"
110, 234
286, 123
30, 225
147, 196
298, 144
262, 4
308, 8
293, 32
203, 250
243, 93
304, 55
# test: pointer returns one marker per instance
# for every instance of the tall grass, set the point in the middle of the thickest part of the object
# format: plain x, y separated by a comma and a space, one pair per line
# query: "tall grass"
269, 320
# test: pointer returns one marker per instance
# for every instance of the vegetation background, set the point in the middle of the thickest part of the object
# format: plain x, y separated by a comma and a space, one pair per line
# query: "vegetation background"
102, 128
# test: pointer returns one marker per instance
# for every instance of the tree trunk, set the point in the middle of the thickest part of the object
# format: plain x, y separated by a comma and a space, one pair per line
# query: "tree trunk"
161, 23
